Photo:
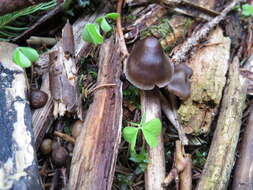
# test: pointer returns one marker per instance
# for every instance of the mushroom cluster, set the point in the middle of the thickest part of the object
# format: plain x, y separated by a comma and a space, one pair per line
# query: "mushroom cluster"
148, 66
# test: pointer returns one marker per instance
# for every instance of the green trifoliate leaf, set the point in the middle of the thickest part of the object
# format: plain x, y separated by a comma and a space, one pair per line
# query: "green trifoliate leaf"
130, 135
91, 34
247, 10
20, 59
151, 130
30, 53
105, 26
112, 16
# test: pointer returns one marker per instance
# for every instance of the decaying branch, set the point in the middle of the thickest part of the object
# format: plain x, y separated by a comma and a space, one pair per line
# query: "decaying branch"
63, 77
181, 54
155, 172
210, 65
181, 171
216, 172
18, 163
96, 148
242, 179
7, 6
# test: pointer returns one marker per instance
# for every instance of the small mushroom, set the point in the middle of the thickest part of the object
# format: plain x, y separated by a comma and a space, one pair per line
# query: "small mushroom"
59, 156
38, 98
46, 146
179, 84
148, 66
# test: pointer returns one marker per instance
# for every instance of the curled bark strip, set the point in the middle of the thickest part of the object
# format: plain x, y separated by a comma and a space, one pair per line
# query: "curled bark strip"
18, 164
217, 170
7, 6
96, 148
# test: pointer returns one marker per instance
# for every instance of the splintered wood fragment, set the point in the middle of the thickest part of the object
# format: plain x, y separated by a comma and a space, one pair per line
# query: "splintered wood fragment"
221, 156
18, 163
96, 148
209, 65
8, 6
40, 41
43, 117
155, 172
181, 54
63, 77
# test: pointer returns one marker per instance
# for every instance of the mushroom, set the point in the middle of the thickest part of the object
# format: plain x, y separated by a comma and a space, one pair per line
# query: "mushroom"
179, 84
38, 98
148, 66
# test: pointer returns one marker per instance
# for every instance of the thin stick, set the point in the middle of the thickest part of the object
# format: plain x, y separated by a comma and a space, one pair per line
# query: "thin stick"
65, 137
120, 35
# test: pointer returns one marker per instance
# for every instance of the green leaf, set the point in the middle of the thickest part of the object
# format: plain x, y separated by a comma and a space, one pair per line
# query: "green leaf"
130, 135
247, 10
99, 19
139, 158
30, 53
20, 59
91, 34
105, 26
151, 130
112, 16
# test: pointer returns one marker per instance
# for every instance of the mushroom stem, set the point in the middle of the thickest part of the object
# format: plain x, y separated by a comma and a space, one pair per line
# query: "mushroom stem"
169, 109
155, 172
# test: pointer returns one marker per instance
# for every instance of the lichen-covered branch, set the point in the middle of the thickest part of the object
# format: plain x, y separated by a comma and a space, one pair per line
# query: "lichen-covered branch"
220, 161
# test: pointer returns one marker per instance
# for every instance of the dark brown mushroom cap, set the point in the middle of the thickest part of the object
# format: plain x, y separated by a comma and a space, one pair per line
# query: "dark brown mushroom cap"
180, 84
148, 66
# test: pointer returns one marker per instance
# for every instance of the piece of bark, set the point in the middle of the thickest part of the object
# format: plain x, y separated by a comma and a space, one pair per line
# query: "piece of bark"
209, 65
155, 171
96, 148
7, 6
18, 163
43, 117
242, 179
63, 77
221, 156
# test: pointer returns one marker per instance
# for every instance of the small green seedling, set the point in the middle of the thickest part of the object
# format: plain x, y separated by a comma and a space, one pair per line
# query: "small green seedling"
91, 31
25, 56
247, 10
151, 130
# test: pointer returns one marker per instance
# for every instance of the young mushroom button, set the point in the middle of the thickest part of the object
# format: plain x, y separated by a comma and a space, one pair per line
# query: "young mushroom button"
148, 66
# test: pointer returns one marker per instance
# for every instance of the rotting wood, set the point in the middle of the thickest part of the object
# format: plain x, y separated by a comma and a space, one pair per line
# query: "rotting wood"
242, 179
7, 6
209, 65
18, 162
155, 172
40, 41
181, 54
221, 156
43, 117
63, 77
96, 148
